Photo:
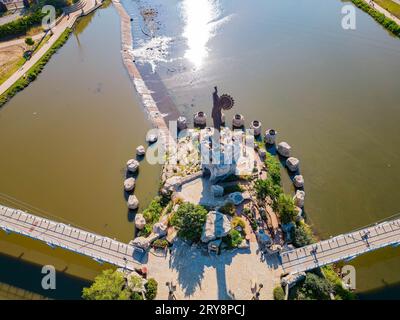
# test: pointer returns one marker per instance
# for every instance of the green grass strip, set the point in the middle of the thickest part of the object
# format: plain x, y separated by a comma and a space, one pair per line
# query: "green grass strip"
34, 71
387, 23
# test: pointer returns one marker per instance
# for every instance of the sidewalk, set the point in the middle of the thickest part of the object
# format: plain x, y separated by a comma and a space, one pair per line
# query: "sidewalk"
66, 22
385, 12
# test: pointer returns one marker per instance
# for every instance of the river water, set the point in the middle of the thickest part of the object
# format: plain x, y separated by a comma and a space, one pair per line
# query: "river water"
65, 141
331, 93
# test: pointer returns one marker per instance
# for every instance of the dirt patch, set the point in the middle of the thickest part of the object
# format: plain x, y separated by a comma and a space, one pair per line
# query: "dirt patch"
9, 58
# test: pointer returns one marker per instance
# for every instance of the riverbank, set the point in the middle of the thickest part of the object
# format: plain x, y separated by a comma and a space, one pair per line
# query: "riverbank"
382, 16
29, 71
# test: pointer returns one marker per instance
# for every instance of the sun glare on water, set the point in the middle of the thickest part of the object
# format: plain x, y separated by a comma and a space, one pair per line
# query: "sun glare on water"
199, 17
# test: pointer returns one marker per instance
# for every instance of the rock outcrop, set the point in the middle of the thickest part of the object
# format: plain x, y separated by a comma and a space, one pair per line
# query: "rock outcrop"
217, 225
293, 164
284, 149
133, 202
132, 165
129, 184
140, 221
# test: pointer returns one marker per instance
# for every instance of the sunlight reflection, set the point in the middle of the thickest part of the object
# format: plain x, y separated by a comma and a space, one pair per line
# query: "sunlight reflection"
199, 18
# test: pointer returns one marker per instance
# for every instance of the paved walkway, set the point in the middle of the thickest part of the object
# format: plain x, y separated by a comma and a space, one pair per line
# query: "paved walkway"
385, 12
66, 22
342, 247
228, 276
55, 234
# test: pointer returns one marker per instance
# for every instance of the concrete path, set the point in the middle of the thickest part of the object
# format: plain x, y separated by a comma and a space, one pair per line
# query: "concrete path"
385, 12
66, 22
6, 44
198, 275
11, 17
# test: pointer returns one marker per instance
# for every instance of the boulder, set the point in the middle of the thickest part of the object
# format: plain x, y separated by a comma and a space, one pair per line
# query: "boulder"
299, 198
133, 202
160, 229
140, 221
151, 138
293, 164
141, 242
270, 136
129, 184
238, 121
200, 119
298, 181
172, 184
256, 126
217, 191
217, 225
132, 165
284, 149
140, 151
182, 123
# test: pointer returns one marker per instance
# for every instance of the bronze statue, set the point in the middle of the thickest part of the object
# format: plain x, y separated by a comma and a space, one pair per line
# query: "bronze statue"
224, 102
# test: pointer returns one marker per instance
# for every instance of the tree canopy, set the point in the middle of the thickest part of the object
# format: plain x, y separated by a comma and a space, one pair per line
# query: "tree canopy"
109, 285
190, 219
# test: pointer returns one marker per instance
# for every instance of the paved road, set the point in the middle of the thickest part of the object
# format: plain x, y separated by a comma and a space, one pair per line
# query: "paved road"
10, 17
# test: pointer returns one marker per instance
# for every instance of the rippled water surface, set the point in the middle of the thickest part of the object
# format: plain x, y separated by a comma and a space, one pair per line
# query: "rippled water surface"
333, 94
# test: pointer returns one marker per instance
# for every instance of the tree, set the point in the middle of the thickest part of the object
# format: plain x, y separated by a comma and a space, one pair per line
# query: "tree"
286, 208
189, 219
274, 168
266, 188
109, 285
279, 294
233, 239
303, 235
29, 41
151, 289
316, 287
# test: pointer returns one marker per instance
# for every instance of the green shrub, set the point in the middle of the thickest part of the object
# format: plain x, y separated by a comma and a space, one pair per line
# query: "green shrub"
153, 212
189, 219
340, 292
32, 73
20, 26
233, 239
228, 209
273, 167
151, 289
389, 24
303, 235
160, 243
286, 208
238, 222
279, 294
136, 296
315, 287
109, 285
29, 41
266, 188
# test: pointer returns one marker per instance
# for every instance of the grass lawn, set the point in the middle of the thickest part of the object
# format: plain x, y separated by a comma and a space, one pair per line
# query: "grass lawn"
15, 62
390, 6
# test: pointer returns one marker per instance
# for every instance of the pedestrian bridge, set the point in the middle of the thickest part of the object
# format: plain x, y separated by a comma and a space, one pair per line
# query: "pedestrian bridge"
102, 249
343, 247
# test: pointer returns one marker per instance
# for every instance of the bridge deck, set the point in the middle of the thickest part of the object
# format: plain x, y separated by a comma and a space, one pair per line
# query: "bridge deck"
341, 247
102, 249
